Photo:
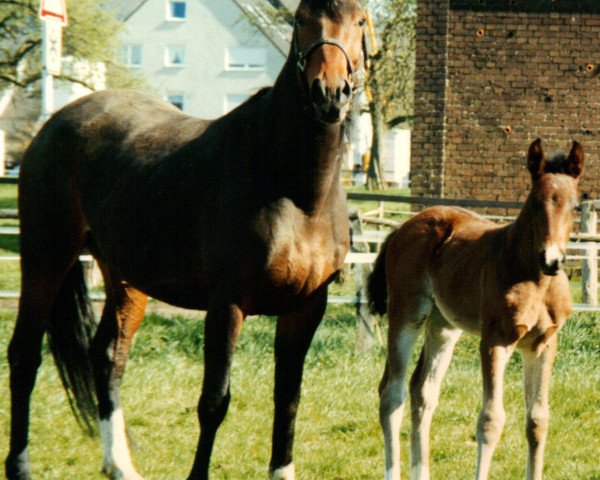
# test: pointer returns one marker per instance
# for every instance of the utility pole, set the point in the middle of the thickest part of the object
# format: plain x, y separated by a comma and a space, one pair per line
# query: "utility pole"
53, 14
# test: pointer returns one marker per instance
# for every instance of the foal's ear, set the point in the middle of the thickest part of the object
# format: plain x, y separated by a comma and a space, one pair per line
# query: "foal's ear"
574, 163
535, 158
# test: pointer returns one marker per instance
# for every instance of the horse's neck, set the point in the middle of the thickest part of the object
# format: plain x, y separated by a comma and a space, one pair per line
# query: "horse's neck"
522, 251
306, 152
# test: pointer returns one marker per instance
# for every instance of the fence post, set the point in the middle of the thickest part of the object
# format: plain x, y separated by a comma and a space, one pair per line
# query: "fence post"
366, 324
589, 268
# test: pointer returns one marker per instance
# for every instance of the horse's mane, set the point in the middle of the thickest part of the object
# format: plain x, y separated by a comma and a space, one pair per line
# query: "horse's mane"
332, 8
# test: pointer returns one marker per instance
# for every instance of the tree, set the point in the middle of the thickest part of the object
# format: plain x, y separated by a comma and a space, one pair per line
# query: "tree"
92, 35
391, 76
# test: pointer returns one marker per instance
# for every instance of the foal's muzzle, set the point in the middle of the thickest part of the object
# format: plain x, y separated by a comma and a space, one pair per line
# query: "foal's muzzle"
331, 105
552, 260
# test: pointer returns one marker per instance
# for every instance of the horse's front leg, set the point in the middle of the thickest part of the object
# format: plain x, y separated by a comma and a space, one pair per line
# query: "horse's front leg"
494, 357
221, 330
537, 368
292, 339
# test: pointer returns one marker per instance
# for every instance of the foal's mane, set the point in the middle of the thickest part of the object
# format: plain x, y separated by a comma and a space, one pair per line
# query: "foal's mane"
557, 163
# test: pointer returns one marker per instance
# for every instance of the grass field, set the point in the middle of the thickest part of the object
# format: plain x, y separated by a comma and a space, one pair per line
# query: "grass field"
338, 435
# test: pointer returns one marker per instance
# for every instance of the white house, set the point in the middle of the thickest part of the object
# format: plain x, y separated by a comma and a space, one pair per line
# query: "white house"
204, 56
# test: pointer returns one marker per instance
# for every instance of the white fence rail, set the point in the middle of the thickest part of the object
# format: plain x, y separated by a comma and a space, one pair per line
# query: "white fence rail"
583, 247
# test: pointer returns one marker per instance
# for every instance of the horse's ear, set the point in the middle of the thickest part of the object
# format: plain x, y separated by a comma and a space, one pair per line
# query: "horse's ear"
535, 158
574, 162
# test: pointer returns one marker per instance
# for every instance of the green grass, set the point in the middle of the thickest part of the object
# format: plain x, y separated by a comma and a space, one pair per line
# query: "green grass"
8, 195
337, 434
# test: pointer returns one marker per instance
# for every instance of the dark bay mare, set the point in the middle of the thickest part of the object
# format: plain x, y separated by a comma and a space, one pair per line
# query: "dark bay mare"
447, 270
243, 215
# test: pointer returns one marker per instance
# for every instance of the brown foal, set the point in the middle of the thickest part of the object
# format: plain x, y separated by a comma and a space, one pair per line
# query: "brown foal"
450, 270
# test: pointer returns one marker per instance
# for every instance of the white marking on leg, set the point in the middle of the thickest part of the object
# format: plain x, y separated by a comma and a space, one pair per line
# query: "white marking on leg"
117, 461
284, 473
425, 391
393, 395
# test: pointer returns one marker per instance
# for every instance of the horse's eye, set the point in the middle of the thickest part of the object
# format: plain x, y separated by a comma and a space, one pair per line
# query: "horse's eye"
300, 21
361, 22
555, 199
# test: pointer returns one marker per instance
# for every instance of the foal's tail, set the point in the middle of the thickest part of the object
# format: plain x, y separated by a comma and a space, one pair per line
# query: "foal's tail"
70, 331
377, 283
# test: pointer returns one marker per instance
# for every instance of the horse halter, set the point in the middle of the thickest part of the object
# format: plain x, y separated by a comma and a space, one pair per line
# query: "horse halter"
302, 55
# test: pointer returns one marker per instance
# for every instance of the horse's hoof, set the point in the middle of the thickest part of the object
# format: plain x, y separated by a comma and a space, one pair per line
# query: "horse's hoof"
283, 473
114, 473
17, 467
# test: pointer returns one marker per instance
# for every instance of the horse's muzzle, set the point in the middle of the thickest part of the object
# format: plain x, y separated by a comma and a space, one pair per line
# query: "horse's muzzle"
331, 105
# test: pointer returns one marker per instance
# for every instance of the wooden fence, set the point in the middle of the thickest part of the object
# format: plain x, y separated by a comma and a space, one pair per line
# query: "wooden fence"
586, 241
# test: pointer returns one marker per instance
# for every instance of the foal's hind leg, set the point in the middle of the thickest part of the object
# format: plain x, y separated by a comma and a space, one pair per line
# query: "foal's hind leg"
292, 340
537, 369
406, 313
122, 315
440, 339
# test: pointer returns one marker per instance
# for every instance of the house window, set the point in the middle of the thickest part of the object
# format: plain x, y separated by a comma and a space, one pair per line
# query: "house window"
176, 11
233, 101
245, 58
175, 56
176, 99
132, 55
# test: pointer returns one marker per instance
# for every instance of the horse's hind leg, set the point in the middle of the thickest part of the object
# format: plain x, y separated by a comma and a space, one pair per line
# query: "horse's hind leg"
45, 264
407, 312
292, 340
537, 368
122, 315
440, 339
24, 356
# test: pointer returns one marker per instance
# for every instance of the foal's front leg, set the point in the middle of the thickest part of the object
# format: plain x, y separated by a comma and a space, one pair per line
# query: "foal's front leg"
537, 368
292, 340
494, 357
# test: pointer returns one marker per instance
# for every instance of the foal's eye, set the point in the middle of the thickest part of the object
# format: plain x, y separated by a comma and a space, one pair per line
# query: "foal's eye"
555, 199
361, 22
300, 21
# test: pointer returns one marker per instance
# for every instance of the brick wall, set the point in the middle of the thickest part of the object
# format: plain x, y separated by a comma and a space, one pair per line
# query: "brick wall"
492, 76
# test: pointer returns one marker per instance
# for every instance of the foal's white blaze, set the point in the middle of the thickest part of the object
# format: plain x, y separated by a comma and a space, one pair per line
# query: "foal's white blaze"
284, 473
117, 461
553, 254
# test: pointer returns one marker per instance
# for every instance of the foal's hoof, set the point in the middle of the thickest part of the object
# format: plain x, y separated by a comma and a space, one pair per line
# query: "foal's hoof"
283, 473
115, 473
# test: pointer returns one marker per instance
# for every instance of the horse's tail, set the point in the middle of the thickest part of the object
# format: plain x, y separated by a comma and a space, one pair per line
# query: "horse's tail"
70, 331
377, 283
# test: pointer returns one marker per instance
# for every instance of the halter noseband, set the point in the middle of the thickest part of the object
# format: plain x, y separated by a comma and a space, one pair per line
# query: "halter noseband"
302, 55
